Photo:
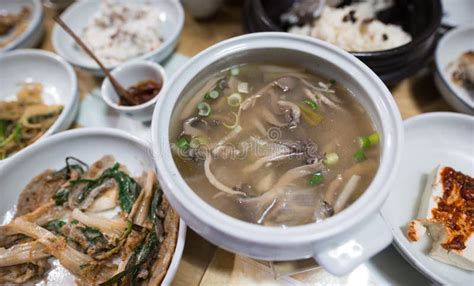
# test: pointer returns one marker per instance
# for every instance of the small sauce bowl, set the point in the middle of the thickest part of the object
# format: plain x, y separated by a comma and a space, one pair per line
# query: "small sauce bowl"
129, 74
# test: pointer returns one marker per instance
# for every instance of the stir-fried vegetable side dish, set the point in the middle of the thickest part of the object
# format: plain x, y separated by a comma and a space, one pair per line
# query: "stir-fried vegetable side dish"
274, 145
102, 225
25, 120
12, 25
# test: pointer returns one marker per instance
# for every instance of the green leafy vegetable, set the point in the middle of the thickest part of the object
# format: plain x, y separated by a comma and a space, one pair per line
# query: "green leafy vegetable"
128, 187
137, 259
93, 234
3, 129
17, 133
155, 203
55, 225
61, 197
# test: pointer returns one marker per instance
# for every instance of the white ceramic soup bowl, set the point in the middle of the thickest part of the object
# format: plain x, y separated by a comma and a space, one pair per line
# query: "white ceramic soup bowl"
339, 243
55, 74
88, 145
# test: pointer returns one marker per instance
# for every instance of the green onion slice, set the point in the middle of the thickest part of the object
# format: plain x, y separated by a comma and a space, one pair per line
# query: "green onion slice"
316, 178
234, 99
198, 141
359, 156
204, 109
331, 159
369, 141
182, 143
234, 71
312, 104
213, 94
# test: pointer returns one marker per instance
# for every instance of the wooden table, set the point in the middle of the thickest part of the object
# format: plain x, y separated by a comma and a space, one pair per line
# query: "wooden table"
202, 261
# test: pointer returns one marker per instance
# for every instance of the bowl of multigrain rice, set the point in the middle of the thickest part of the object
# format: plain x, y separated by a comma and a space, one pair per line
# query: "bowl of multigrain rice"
394, 38
118, 31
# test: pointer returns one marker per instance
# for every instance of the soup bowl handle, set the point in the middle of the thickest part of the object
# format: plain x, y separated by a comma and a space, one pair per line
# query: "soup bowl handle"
340, 256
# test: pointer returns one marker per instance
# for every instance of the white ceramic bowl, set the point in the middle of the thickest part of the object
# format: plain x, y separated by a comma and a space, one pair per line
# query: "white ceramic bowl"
450, 47
339, 243
428, 143
129, 74
56, 75
34, 32
78, 15
89, 145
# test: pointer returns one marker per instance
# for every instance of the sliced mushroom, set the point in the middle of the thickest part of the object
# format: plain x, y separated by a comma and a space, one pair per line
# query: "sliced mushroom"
286, 83
189, 126
293, 113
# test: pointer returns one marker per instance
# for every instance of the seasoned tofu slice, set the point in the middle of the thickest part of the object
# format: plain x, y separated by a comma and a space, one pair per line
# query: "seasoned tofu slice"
447, 212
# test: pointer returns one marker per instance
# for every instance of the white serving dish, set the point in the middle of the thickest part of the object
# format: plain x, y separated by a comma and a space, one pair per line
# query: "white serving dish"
89, 145
31, 37
339, 243
452, 45
55, 74
457, 13
127, 75
78, 15
431, 139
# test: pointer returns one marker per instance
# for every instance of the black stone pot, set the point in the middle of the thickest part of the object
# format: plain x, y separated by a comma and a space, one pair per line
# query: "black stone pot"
420, 18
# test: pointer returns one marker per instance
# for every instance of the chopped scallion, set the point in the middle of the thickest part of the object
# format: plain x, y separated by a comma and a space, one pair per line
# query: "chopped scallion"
234, 71
243, 87
222, 84
234, 99
213, 94
369, 141
316, 178
359, 156
331, 159
182, 144
311, 104
364, 142
204, 109
374, 138
198, 141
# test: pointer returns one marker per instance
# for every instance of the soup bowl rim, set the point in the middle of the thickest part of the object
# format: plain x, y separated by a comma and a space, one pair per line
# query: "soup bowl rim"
182, 196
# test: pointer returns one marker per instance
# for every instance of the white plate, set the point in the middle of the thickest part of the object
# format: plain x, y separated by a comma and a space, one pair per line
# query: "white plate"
430, 139
89, 145
78, 15
34, 32
451, 46
457, 12
55, 74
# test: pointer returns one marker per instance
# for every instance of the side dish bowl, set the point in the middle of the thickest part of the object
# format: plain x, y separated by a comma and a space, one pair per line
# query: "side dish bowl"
451, 47
32, 35
56, 75
129, 74
78, 15
420, 18
338, 243
88, 144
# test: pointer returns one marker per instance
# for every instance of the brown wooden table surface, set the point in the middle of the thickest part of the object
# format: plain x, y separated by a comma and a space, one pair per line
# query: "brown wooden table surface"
415, 95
